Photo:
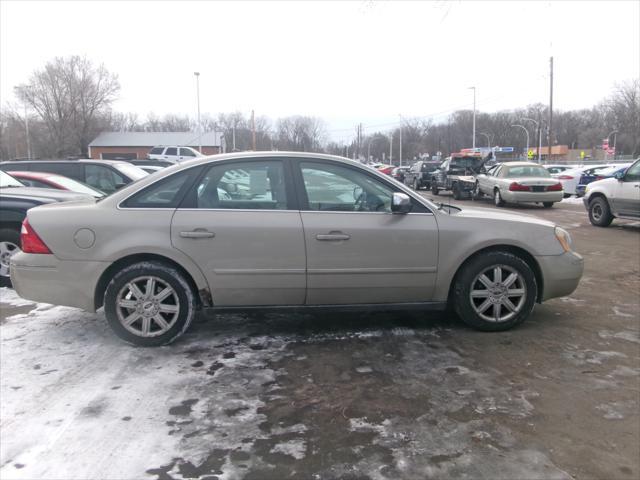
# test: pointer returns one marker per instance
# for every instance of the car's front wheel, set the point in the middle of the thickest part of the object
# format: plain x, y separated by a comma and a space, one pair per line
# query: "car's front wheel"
547, 204
416, 186
149, 304
434, 188
600, 213
494, 291
9, 246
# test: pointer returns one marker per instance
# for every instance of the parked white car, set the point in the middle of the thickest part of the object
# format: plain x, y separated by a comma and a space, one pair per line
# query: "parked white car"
173, 153
571, 178
556, 170
615, 197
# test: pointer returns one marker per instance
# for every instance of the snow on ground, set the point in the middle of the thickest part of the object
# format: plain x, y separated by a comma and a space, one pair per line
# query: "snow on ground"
572, 200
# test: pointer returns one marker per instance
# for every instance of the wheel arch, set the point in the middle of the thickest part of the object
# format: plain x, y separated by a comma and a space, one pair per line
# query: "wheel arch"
203, 296
515, 250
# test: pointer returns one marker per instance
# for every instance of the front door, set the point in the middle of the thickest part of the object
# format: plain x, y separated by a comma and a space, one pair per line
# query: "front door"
357, 250
237, 225
626, 199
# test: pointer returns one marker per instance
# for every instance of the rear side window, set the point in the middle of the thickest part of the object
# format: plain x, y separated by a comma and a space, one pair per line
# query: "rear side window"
156, 150
171, 151
71, 170
104, 178
165, 193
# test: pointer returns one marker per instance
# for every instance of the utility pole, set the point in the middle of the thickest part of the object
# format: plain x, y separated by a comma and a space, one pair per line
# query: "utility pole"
253, 130
550, 132
391, 147
400, 153
197, 74
26, 126
233, 131
474, 116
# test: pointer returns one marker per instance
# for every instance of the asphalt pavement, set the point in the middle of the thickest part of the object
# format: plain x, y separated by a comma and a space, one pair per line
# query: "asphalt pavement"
375, 395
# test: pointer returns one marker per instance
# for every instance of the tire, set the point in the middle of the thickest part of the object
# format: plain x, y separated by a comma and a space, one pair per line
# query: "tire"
9, 245
497, 199
479, 311
456, 191
599, 212
434, 188
566, 195
547, 204
176, 309
416, 186
476, 193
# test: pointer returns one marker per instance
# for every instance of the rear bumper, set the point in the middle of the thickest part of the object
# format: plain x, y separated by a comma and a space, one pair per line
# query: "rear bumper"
561, 274
44, 278
532, 197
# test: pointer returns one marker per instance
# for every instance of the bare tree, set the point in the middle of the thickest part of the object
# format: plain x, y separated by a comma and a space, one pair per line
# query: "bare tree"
622, 111
73, 99
298, 133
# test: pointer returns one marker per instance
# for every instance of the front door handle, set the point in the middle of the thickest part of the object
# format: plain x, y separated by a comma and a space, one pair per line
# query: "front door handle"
198, 233
333, 236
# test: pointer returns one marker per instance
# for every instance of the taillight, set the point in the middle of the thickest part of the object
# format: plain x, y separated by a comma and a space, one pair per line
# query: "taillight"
518, 187
31, 242
554, 188
565, 177
600, 177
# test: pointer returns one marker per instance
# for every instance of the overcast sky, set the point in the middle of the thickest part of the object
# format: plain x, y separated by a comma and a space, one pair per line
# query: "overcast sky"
346, 62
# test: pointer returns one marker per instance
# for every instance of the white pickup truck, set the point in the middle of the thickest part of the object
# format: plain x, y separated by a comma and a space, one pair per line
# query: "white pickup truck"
615, 197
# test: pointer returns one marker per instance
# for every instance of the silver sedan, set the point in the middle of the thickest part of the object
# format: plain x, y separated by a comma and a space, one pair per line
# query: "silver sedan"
285, 230
520, 182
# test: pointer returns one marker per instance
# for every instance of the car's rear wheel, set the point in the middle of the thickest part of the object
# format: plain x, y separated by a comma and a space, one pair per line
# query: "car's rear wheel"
434, 188
497, 199
494, 291
600, 213
547, 204
9, 246
149, 304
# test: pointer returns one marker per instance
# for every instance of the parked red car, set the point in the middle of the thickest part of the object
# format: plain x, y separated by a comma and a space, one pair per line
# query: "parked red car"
386, 169
57, 182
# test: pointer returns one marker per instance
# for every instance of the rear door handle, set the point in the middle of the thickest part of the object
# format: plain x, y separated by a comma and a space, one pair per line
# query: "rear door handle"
333, 236
197, 234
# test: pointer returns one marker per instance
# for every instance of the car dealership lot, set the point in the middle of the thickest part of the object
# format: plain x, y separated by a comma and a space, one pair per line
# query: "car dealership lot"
378, 395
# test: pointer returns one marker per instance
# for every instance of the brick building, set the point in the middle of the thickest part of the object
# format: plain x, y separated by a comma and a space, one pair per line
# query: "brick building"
136, 145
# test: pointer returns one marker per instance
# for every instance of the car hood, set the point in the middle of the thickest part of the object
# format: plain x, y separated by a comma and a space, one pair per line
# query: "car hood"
49, 194
490, 214
604, 181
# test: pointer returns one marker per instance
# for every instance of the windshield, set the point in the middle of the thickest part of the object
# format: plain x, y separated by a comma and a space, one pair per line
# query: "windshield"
75, 186
131, 171
7, 180
465, 162
527, 171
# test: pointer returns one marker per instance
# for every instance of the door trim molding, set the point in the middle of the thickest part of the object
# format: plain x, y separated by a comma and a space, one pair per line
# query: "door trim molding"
348, 271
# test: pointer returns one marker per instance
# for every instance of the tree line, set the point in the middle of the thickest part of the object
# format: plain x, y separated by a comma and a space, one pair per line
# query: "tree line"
66, 104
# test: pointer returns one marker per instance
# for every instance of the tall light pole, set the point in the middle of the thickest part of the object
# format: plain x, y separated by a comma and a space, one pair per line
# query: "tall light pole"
26, 126
527, 132
390, 147
615, 135
197, 74
488, 139
539, 137
400, 153
474, 116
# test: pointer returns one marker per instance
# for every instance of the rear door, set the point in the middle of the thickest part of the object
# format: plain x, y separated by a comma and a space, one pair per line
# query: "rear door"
357, 250
241, 226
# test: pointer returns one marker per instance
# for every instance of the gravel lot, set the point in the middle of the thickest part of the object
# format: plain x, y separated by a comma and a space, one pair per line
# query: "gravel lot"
380, 396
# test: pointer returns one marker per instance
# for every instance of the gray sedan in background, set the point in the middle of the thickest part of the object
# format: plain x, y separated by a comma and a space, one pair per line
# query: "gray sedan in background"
519, 182
285, 230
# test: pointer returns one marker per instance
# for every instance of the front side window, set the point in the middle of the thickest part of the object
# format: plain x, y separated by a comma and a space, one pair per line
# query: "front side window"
103, 178
633, 174
332, 187
254, 185
171, 151
187, 152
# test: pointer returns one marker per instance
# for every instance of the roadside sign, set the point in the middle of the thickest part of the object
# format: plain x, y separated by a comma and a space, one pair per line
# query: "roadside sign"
530, 154
581, 154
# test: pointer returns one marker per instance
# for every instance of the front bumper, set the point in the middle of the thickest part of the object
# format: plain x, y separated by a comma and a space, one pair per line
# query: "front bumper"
44, 278
585, 202
532, 197
560, 273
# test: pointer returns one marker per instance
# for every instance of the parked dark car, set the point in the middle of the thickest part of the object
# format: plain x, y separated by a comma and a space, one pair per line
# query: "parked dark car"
150, 163
399, 173
589, 177
105, 175
420, 174
15, 200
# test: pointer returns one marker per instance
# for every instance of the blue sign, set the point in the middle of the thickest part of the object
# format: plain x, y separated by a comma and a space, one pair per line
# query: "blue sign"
503, 149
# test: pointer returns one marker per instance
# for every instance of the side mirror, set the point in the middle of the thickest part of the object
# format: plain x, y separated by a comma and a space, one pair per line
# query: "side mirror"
401, 203
619, 176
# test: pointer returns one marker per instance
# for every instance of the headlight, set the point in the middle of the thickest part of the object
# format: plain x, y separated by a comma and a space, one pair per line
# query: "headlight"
564, 238
586, 190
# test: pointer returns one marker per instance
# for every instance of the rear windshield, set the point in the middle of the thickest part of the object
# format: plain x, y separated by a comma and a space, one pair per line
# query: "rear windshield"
527, 171
7, 180
131, 171
465, 162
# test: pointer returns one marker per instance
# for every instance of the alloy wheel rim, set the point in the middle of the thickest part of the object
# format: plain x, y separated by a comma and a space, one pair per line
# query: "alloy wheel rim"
147, 306
497, 197
596, 212
498, 293
7, 250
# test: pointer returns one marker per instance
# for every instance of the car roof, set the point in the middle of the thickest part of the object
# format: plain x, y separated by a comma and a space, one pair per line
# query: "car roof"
521, 164
80, 160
